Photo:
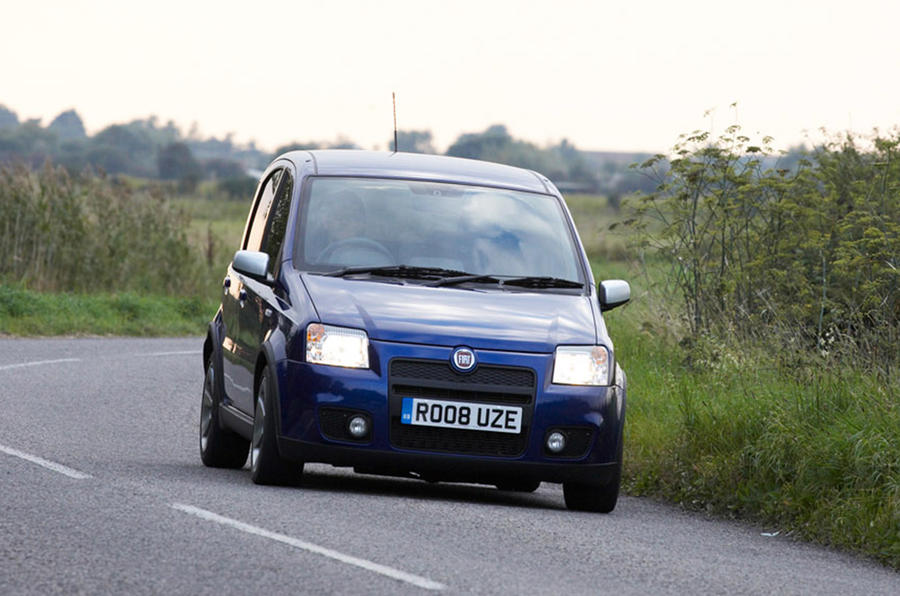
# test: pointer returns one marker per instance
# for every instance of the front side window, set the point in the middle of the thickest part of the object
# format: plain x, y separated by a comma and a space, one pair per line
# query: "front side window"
350, 222
276, 220
257, 227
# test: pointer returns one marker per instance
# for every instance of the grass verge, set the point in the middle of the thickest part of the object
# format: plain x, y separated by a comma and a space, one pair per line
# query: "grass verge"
28, 313
802, 443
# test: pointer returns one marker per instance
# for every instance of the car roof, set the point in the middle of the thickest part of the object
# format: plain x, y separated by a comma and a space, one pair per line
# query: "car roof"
383, 164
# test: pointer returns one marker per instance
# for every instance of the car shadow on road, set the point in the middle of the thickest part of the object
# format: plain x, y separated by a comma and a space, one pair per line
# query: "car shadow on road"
321, 478
342, 482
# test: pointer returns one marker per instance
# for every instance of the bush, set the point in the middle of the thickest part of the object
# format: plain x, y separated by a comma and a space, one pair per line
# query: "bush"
810, 252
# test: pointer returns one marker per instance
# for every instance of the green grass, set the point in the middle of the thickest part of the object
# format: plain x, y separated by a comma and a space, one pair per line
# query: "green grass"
28, 313
812, 451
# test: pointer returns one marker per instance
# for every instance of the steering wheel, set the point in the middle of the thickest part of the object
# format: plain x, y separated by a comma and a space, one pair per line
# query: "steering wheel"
356, 242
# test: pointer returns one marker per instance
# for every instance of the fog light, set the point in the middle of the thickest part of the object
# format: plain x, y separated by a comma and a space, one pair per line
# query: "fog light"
556, 442
358, 427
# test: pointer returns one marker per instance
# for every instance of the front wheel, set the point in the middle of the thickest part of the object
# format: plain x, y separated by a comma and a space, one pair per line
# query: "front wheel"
266, 464
600, 498
588, 497
219, 447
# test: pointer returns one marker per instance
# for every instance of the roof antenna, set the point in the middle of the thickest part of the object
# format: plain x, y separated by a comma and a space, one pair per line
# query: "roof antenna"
394, 99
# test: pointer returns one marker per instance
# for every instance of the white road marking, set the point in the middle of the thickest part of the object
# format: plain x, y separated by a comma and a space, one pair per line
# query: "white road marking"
38, 363
182, 353
409, 578
50, 465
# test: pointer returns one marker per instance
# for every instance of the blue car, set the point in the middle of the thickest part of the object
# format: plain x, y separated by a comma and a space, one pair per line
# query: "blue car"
415, 315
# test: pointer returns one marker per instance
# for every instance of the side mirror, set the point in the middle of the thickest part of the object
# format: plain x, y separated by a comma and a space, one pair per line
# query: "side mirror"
613, 293
252, 263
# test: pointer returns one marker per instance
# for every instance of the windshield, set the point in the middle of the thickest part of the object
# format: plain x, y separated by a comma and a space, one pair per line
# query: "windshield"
369, 223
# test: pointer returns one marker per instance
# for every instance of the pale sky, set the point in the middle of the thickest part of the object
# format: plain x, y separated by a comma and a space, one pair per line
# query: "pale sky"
605, 75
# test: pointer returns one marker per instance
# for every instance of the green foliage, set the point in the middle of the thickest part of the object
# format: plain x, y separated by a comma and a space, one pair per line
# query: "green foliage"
781, 403
81, 233
809, 252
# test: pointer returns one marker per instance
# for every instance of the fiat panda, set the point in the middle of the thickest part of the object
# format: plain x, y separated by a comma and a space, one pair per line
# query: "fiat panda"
415, 315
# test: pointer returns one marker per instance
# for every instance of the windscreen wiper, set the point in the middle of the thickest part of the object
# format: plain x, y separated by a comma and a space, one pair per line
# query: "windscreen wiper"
407, 271
526, 282
461, 279
542, 282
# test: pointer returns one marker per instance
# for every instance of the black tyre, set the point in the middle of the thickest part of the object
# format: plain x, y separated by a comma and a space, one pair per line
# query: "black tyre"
600, 498
520, 485
219, 447
266, 464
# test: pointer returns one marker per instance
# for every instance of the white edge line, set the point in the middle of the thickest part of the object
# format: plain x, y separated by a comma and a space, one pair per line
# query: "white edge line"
38, 363
183, 353
50, 465
409, 578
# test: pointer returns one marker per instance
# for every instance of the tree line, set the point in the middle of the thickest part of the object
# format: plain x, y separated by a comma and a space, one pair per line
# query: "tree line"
147, 148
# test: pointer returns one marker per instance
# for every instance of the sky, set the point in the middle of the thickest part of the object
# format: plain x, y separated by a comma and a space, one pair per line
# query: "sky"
612, 76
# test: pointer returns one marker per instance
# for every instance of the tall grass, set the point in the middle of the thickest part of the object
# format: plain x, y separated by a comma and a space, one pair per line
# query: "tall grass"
88, 233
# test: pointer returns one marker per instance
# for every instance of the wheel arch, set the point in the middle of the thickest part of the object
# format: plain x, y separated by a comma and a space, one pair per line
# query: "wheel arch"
271, 352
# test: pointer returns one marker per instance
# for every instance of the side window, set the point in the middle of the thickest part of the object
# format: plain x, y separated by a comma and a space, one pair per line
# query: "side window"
277, 220
258, 225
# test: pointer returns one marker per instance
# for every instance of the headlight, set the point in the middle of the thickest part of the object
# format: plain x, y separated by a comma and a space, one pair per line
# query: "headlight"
337, 346
581, 365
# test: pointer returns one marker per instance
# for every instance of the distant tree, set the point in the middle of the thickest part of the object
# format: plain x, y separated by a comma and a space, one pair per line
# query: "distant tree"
27, 143
72, 155
68, 125
8, 118
482, 145
124, 149
342, 142
175, 162
238, 187
222, 168
413, 141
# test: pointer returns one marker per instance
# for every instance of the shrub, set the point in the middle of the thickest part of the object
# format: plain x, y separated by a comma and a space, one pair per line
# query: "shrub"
812, 251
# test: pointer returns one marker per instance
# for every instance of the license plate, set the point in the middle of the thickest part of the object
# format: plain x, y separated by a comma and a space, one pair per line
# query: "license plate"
464, 415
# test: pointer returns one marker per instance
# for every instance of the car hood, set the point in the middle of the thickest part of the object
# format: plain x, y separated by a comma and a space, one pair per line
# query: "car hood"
490, 320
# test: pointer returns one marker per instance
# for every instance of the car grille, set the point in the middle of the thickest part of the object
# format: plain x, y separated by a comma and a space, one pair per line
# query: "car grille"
433, 379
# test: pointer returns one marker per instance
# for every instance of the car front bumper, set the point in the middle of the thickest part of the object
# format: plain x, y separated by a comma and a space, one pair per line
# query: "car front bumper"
305, 391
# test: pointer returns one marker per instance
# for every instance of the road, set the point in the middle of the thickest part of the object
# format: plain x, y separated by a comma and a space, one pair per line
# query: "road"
102, 491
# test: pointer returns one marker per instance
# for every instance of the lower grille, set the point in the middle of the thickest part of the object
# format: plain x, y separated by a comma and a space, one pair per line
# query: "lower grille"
514, 386
472, 442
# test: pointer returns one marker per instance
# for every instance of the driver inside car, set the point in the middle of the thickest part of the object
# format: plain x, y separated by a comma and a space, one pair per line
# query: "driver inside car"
343, 237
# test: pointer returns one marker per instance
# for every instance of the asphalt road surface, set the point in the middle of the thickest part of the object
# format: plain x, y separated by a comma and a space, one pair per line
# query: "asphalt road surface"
102, 491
